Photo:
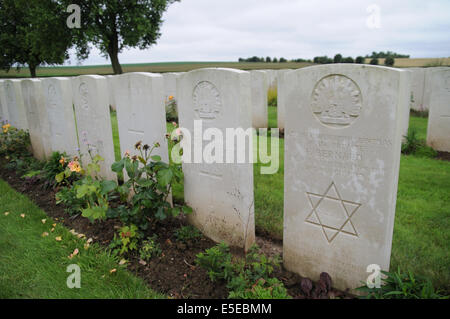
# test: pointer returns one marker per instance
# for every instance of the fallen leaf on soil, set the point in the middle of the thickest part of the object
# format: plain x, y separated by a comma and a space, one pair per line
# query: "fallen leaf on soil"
89, 240
43, 221
58, 238
142, 262
86, 246
22, 215
81, 235
113, 270
54, 225
44, 234
6, 213
52, 230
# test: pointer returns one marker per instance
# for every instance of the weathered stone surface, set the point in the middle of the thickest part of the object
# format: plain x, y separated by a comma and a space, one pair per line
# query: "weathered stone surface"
417, 88
4, 115
111, 93
281, 98
220, 194
14, 103
260, 87
438, 133
140, 112
37, 118
61, 119
342, 155
91, 102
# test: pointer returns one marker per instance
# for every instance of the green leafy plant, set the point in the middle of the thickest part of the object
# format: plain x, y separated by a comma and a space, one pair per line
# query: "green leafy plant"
272, 99
187, 233
246, 278
150, 248
127, 240
56, 171
398, 285
415, 146
67, 196
171, 109
14, 143
217, 261
150, 181
270, 289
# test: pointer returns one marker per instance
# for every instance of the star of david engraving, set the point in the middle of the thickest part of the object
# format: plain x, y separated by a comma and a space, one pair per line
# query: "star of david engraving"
332, 213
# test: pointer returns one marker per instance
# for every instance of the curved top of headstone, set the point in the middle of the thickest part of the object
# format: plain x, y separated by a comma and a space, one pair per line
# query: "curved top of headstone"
148, 74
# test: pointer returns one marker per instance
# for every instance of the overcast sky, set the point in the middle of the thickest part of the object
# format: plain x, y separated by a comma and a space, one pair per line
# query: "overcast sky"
224, 30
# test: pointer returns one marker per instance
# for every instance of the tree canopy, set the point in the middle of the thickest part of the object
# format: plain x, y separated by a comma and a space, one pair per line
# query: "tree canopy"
113, 25
33, 33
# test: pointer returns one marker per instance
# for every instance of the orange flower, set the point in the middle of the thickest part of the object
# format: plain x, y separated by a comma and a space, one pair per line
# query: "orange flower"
171, 98
62, 161
74, 166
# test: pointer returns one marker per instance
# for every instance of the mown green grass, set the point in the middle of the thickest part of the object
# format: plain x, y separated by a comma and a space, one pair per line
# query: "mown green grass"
32, 266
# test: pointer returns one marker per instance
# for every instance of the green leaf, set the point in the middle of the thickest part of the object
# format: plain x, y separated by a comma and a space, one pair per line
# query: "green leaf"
60, 177
117, 167
160, 214
156, 158
107, 186
187, 210
164, 177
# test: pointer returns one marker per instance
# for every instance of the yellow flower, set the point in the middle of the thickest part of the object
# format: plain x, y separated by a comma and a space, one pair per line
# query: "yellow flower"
171, 98
74, 166
6, 128
62, 161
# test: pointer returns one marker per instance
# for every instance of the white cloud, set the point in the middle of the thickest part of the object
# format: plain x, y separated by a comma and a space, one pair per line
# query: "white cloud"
224, 30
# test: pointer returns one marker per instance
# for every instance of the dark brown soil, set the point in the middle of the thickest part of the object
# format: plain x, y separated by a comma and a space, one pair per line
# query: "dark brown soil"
173, 273
445, 156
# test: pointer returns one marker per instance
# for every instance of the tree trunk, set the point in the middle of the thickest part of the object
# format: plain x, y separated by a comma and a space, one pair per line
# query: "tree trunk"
32, 70
114, 56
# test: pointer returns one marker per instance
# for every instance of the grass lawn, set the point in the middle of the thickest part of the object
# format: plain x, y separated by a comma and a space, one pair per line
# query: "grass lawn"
33, 266
422, 223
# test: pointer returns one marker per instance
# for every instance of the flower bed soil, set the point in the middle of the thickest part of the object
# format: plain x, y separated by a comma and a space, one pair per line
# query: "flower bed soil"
173, 273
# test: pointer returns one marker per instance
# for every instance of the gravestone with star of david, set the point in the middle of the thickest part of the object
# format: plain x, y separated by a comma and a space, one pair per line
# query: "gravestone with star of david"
344, 127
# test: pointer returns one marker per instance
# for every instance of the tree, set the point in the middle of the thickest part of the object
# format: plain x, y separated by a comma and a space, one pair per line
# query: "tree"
268, 59
359, 60
283, 60
33, 33
275, 60
348, 60
374, 61
337, 58
113, 25
389, 61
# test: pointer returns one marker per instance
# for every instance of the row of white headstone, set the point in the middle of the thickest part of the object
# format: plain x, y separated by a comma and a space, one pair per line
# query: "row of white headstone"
343, 135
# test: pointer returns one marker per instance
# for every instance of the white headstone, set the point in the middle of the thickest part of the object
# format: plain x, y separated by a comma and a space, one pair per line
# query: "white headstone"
281, 100
140, 112
220, 194
111, 93
14, 102
91, 102
4, 115
37, 118
417, 88
428, 85
260, 86
342, 155
438, 134
61, 118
